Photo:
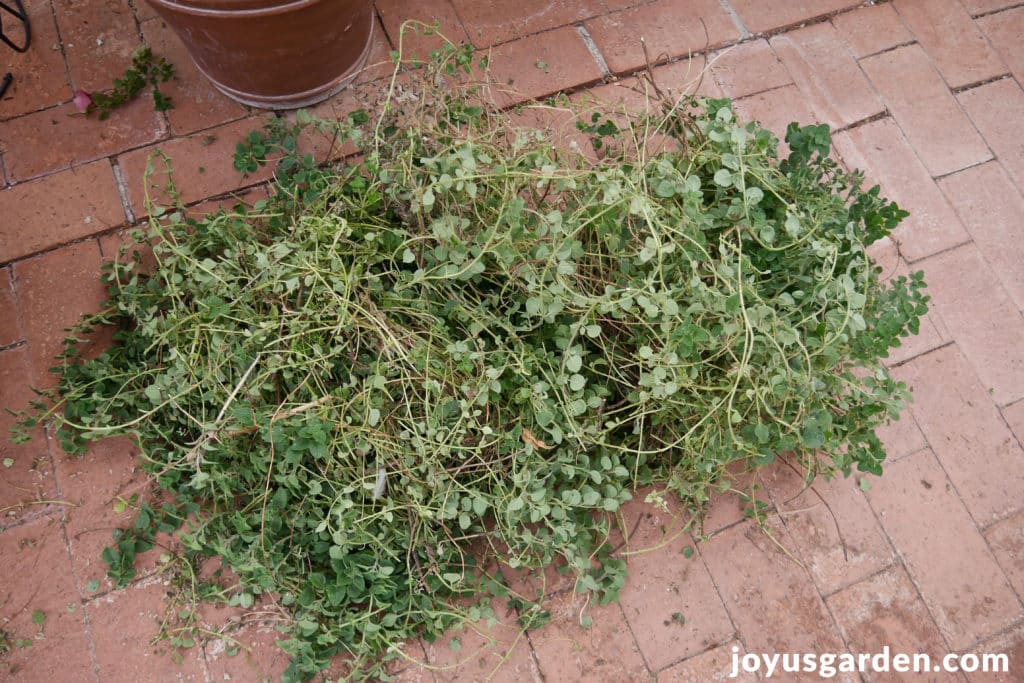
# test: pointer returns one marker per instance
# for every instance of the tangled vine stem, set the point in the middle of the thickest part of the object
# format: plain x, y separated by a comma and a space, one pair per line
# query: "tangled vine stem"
461, 352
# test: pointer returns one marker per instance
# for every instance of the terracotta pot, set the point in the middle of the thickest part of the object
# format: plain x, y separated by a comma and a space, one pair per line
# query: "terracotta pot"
276, 54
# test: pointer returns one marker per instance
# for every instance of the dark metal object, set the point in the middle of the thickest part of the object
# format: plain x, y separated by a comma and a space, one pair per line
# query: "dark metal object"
19, 13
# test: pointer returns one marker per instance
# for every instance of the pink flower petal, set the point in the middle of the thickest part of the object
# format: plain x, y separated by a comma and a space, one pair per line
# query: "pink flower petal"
82, 100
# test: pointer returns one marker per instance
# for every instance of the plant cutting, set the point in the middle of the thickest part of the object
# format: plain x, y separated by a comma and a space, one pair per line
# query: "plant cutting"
146, 69
280, 54
461, 352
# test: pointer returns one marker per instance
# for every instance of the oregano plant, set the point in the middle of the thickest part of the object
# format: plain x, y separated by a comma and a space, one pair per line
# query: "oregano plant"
146, 69
462, 350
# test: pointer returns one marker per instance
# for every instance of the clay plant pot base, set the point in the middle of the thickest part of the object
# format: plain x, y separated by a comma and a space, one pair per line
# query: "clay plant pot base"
274, 54
301, 99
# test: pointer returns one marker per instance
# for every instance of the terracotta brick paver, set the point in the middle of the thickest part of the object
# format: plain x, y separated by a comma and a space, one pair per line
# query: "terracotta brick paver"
490, 22
1014, 416
54, 139
959, 579
670, 600
206, 158
748, 68
926, 111
603, 651
885, 611
834, 533
979, 7
987, 202
869, 30
952, 40
10, 323
994, 108
105, 486
33, 221
1006, 539
98, 39
764, 15
980, 454
713, 665
1010, 643
828, 76
927, 558
126, 621
26, 478
981, 316
259, 657
38, 587
49, 306
40, 75
668, 28
781, 611
1005, 31
479, 651
734, 499
888, 156
540, 65
775, 110
416, 43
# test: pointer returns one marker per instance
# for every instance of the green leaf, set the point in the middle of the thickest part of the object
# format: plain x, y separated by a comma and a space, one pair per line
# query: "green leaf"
480, 506
793, 226
812, 437
665, 189
153, 393
573, 362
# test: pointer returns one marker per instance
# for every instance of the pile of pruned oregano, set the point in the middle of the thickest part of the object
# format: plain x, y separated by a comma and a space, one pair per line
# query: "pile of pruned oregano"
468, 346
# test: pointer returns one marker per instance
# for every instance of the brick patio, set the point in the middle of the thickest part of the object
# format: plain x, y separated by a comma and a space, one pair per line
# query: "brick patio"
927, 99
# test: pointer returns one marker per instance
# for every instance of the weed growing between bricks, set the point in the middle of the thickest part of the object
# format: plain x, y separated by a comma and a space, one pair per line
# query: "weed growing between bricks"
464, 351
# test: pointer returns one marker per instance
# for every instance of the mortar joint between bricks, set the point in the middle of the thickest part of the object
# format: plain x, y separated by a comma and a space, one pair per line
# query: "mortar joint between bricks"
13, 345
60, 42
122, 192
990, 12
819, 19
942, 176
745, 34
863, 122
891, 48
594, 51
977, 84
